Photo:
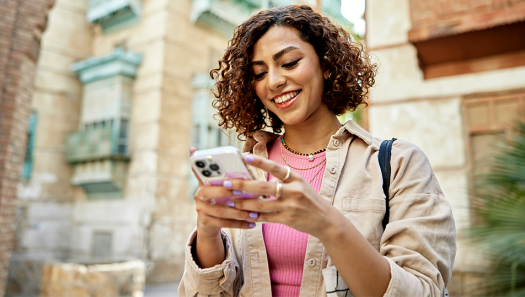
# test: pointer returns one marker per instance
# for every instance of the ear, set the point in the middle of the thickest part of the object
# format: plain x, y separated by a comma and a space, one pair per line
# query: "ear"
326, 75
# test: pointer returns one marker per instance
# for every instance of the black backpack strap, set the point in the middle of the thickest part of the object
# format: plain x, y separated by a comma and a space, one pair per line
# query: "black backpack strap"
385, 152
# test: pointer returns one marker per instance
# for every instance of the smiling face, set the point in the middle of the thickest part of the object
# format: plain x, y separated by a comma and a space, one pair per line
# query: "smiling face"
289, 78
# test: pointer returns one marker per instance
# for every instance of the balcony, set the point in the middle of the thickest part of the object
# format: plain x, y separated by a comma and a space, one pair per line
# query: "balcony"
222, 15
114, 14
107, 142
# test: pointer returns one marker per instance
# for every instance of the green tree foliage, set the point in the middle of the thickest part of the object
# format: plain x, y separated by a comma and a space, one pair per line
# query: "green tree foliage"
500, 206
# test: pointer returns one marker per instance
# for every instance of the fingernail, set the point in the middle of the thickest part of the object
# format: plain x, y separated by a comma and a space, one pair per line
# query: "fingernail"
227, 183
253, 215
231, 203
237, 192
249, 158
252, 225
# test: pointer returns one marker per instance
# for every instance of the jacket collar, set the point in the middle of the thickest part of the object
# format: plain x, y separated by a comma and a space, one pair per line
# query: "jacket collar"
257, 143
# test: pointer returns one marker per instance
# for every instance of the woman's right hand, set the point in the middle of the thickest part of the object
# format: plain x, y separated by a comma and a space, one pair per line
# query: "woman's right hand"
213, 216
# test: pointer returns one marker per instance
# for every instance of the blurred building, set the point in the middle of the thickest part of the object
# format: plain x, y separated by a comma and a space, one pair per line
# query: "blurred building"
122, 92
452, 80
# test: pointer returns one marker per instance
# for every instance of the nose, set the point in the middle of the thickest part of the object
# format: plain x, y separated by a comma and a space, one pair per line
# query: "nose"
275, 79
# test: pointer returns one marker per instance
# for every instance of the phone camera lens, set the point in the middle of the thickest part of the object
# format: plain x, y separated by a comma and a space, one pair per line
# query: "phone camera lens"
214, 167
200, 164
206, 173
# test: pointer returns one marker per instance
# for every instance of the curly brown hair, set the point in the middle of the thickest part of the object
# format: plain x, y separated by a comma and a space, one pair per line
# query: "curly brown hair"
350, 70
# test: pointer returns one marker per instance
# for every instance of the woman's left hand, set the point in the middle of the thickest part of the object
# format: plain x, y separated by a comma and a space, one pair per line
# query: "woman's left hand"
299, 205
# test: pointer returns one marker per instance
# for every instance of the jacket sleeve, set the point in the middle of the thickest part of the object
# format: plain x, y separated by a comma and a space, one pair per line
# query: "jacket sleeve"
419, 241
221, 280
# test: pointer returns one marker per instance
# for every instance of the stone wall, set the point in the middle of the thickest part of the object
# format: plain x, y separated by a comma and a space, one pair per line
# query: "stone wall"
21, 24
429, 112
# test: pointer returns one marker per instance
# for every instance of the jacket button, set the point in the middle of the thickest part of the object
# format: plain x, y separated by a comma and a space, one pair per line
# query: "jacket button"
311, 262
336, 142
333, 170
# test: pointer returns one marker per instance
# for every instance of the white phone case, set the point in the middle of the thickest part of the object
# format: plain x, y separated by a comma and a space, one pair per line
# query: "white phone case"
214, 166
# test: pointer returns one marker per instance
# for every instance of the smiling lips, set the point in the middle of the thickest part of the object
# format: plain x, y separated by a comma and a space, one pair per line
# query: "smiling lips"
286, 100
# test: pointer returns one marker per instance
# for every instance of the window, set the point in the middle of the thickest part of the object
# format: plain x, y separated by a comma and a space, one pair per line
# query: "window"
30, 145
102, 244
488, 119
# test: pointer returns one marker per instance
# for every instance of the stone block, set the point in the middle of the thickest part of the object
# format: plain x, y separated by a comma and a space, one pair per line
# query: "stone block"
144, 135
144, 161
173, 139
142, 187
180, 7
45, 235
25, 276
169, 190
178, 86
146, 107
79, 5
180, 59
469, 256
147, 83
105, 279
49, 211
152, 57
177, 165
52, 59
107, 211
53, 82
388, 22
151, 29
176, 111
399, 78
51, 178
68, 28
126, 239
152, 6
165, 271
53, 126
436, 126
47, 103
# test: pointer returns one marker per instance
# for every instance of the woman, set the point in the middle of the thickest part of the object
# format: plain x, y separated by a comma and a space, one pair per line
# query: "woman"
291, 68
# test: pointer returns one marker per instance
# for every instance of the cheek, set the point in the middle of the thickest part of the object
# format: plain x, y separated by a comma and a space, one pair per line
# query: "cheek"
260, 90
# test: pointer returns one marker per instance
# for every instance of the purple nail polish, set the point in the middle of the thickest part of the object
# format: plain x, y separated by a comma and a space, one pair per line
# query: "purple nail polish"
249, 158
253, 215
237, 192
227, 183
252, 225
231, 203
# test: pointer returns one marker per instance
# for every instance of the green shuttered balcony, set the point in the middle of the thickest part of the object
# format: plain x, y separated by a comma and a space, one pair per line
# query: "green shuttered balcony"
97, 143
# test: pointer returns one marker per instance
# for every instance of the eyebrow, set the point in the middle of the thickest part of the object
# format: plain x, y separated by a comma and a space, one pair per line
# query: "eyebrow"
276, 55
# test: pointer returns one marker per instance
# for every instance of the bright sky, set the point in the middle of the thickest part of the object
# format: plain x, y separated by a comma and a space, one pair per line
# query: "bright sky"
353, 10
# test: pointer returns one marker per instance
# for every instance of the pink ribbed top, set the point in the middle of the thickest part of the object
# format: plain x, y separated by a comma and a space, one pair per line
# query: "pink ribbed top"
285, 246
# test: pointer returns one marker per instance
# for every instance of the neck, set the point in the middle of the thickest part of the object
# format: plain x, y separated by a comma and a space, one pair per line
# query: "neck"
311, 135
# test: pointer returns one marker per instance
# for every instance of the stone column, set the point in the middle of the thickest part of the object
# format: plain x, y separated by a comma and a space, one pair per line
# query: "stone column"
21, 25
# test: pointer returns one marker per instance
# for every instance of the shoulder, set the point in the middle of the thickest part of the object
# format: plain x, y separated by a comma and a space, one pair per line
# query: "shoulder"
411, 171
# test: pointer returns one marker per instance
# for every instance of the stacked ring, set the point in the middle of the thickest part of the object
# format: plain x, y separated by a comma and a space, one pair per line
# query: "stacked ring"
278, 190
287, 174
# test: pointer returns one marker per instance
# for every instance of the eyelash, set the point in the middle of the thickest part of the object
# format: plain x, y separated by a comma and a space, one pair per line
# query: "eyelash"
288, 66
291, 64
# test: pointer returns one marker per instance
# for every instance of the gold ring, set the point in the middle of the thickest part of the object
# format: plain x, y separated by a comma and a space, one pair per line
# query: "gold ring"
287, 174
278, 190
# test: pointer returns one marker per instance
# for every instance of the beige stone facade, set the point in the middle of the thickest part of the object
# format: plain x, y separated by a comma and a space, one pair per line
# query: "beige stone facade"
434, 113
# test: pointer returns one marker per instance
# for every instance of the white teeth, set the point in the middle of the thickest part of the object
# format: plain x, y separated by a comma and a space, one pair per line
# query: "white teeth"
286, 97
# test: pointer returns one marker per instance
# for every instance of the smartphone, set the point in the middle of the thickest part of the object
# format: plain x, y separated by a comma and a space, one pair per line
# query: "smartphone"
214, 166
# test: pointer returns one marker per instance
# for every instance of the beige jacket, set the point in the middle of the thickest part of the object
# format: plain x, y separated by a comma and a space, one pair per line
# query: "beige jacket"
419, 242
